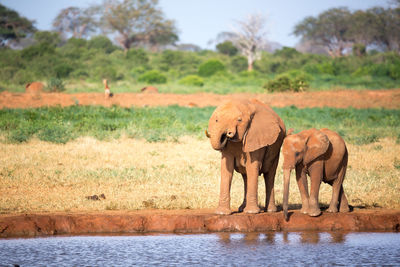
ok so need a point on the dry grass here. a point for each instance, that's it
(133, 174)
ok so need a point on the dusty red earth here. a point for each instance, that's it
(191, 221)
(340, 99)
(197, 221)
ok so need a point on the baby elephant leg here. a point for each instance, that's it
(343, 203)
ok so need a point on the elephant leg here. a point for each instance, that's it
(316, 178)
(241, 208)
(337, 191)
(269, 180)
(301, 179)
(344, 204)
(227, 167)
(253, 165)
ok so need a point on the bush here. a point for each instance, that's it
(137, 56)
(287, 53)
(7, 73)
(192, 80)
(238, 64)
(105, 71)
(52, 38)
(63, 70)
(211, 67)
(294, 80)
(279, 84)
(153, 76)
(55, 85)
(38, 50)
(23, 77)
(227, 48)
(136, 71)
(359, 50)
(102, 43)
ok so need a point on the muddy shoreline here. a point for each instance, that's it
(190, 221)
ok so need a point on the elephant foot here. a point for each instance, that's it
(345, 209)
(303, 210)
(332, 210)
(314, 212)
(223, 211)
(272, 208)
(252, 210)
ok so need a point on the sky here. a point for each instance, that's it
(200, 21)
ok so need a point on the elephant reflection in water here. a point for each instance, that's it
(305, 237)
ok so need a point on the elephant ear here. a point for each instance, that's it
(316, 145)
(263, 128)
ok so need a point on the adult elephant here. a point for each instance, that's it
(249, 135)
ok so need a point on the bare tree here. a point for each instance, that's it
(250, 38)
(75, 21)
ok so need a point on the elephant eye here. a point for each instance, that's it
(239, 119)
(297, 154)
(216, 120)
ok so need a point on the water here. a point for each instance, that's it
(221, 249)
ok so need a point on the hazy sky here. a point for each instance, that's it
(199, 21)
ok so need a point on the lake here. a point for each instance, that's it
(217, 249)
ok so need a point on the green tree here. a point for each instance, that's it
(210, 67)
(330, 29)
(52, 38)
(388, 28)
(138, 22)
(227, 48)
(13, 27)
(103, 43)
(363, 27)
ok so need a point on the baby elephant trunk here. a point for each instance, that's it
(286, 182)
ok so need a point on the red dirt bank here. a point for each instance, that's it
(191, 221)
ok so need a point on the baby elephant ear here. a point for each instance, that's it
(316, 145)
(263, 129)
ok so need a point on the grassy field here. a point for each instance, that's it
(51, 159)
(61, 125)
(134, 174)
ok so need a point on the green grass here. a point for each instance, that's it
(327, 82)
(60, 125)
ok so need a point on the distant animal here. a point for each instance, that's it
(149, 89)
(107, 92)
(321, 154)
(34, 88)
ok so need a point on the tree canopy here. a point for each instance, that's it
(76, 22)
(338, 29)
(138, 22)
(13, 26)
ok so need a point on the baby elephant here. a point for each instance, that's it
(322, 154)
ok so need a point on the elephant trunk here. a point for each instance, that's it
(218, 140)
(286, 182)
